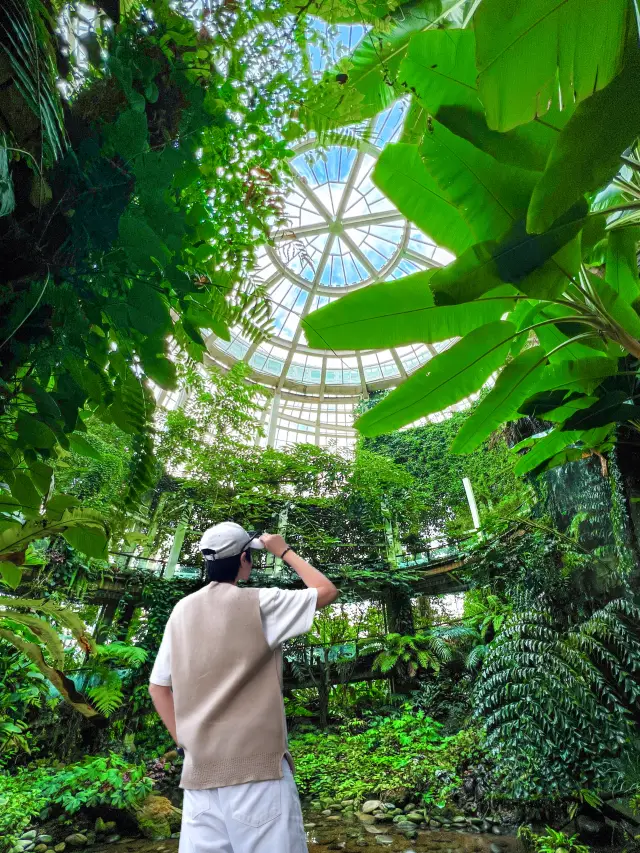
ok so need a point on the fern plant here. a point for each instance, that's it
(106, 682)
(415, 651)
(559, 702)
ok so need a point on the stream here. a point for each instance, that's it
(346, 832)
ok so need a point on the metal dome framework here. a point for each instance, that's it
(342, 234)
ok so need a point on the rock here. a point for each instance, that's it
(111, 839)
(309, 825)
(410, 807)
(365, 818)
(91, 837)
(384, 839)
(495, 829)
(371, 806)
(476, 821)
(28, 836)
(390, 807)
(486, 826)
(77, 839)
(59, 848)
(458, 819)
(44, 839)
(316, 804)
(326, 811)
(25, 844)
(157, 817)
(40, 848)
(434, 824)
(175, 835)
(495, 848)
(334, 817)
(383, 817)
(590, 829)
(374, 830)
(347, 802)
(415, 817)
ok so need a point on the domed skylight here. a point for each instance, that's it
(342, 233)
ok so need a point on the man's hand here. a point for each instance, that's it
(274, 543)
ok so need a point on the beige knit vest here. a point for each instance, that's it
(226, 689)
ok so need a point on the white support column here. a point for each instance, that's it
(273, 420)
(323, 382)
(475, 515)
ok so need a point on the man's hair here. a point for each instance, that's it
(223, 570)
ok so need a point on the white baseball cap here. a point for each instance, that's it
(228, 540)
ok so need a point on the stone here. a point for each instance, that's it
(309, 825)
(434, 824)
(415, 817)
(25, 844)
(458, 819)
(40, 848)
(44, 839)
(316, 804)
(157, 817)
(371, 806)
(28, 836)
(495, 848)
(390, 807)
(590, 829)
(374, 830)
(326, 811)
(60, 848)
(410, 807)
(365, 818)
(383, 817)
(486, 826)
(175, 835)
(112, 839)
(495, 829)
(334, 817)
(384, 839)
(476, 821)
(76, 839)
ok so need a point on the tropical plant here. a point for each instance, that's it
(103, 781)
(426, 651)
(22, 624)
(143, 226)
(551, 841)
(559, 702)
(504, 154)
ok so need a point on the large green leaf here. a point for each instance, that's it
(129, 135)
(525, 49)
(544, 449)
(583, 376)
(449, 377)
(440, 70)
(558, 345)
(371, 71)
(82, 447)
(617, 307)
(89, 540)
(34, 432)
(538, 264)
(490, 195)
(587, 152)
(404, 179)
(622, 262)
(396, 313)
(10, 574)
(45, 632)
(611, 408)
(501, 404)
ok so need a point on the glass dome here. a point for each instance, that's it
(342, 233)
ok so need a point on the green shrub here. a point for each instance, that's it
(552, 841)
(407, 752)
(103, 781)
(22, 798)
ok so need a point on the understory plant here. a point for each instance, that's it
(551, 841)
(400, 755)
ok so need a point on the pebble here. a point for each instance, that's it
(309, 825)
(494, 848)
(111, 839)
(384, 839)
(496, 830)
(326, 811)
(371, 806)
(44, 839)
(415, 817)
(374, 830)
(40, 848)
(28, 836)
(60, 848)
(77, 839)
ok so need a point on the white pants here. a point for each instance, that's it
(258, 817)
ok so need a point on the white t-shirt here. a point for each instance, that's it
(285, 614)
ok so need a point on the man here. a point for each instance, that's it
(216, 684)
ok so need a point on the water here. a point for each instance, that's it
(348, 834)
